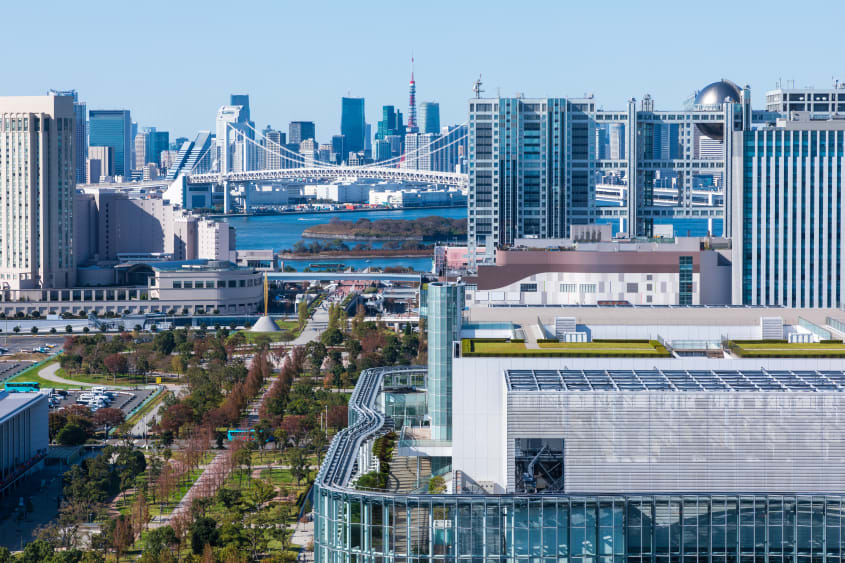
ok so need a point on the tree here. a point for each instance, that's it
(108, 418)
(228, 497)
(260, 494)
(69, 329)
(159, 539)
(204, 532)
(122, 536)
(302, 314)
(36, 551)
(72, 434)
(298, 462)
(34, 330)
(5, 555)
(164, 342)
(116, 363)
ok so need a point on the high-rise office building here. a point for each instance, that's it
(80, 115)
(352, 124)
(534, 164)
(338, 149)
(113, 128)
(273, 142)
(158, 142)
(37, 185)
(418, 151)
(100, 164)
(788, 238)
(141, 140)
(241, 152)
(429, 117)
(298, 131)
(243, 101)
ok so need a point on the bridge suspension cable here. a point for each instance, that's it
(282, 147)
(405, 155)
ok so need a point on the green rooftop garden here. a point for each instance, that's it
(784, 349)
(484, 347)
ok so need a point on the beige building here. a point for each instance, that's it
(100, 164)
(36, 187)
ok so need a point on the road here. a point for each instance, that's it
(49, 373)
(318, 322)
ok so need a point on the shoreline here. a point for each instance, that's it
(327, 211)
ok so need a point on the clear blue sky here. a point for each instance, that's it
(174, 63)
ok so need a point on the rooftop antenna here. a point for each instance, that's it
(477, 89)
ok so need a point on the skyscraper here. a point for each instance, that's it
(352, 125)
(113, 128)
(339, 153)
(273, 141)
(100, 163)
(788, 235)
(80, 116)
(430, 117)
(37, 183)
(298, 131)
(391, 126)
(243, 101)
(141, 140)
(158, 142)
(232, 124)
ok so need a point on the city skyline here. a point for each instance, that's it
(445, 63)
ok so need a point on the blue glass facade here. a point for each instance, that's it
(364, 526)
(112, 128)
(792, 217)
(352, 124)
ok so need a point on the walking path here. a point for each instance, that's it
(49, 373)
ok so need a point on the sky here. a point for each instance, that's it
(173, 63)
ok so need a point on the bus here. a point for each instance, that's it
(236, 435)
(22, 386)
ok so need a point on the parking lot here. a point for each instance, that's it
(11, 369)
(123, 400)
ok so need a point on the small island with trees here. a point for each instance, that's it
(429, 229)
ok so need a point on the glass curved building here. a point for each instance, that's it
(593, 452)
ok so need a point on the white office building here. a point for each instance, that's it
(37, 181)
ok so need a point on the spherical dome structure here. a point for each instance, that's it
(715, 94)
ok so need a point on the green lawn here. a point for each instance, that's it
(750, 349)
(31, 374)
(105, 379)
(492, 348)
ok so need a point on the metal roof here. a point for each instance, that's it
(675, 380)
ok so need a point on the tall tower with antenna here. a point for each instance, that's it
(412, 102)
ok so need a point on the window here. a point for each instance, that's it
(233, 283)
(588, 288)
(189, 285)
(209, 285)
(569, 288)
(632, 288)
(177, 285)
(685, 280)
(528, 288)
(221, 283)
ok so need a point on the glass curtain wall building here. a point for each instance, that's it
(352, 125)
(788, 242)
(113, 128)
